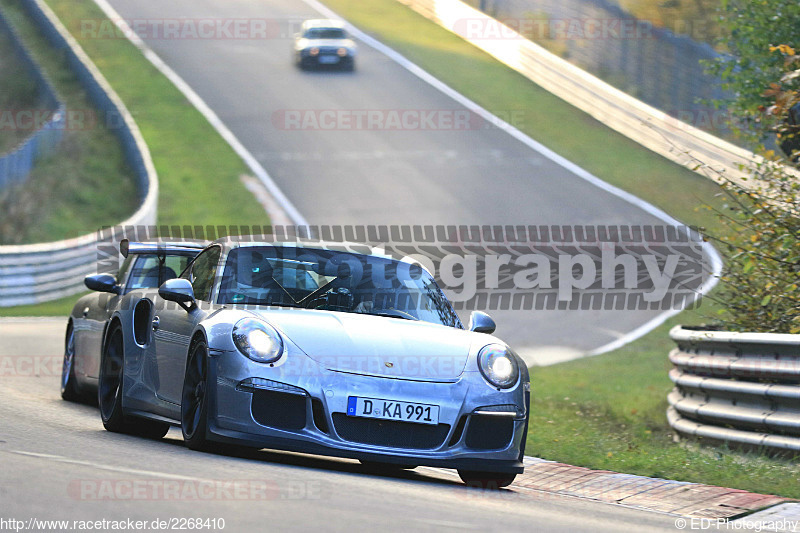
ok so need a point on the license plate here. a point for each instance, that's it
(328, 60)
(392, 410)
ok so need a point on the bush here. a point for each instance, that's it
(759, 289)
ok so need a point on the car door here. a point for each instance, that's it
(173, 325)
(90, 326)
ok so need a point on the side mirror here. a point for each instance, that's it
(177, 290)
(481, 322)
(102, 283)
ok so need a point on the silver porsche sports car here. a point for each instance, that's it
(323, 42)
(330, 349)
(145, 266)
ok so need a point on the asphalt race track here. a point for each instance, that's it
(58, 463)
(383, 176)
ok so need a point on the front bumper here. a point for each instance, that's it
(326, 59)
(479, 429)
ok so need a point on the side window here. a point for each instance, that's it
(202, 273)
(123, 270)
(175, 264)
(144, 274)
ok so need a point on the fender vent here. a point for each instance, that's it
(279, 410)
(489, 432)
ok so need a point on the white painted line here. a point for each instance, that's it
(716, 261)
(119, 469)
(207, 112)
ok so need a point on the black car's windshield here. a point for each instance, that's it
(325, 33)
(333, 280)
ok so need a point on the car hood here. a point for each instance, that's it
(373, 345)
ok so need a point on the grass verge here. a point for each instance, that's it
(608, 413)
(67, 193)
(605, 412)
(18, 91)
(198, 171)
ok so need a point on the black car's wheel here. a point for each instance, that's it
(486, 480)
(69, 387)
(109, 393)
(194, 399)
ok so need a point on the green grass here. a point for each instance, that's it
(68, 193)
(18, 91)
(608, 411)
(60, 307)
(199, 173)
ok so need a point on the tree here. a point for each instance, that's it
(761, 280)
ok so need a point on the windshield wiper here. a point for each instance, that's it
(393, 314)
(271, 304)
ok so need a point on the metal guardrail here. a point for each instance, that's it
(665, 135)
(41, 272)
(16, 165)
(741, 388)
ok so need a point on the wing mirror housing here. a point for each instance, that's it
(102, 283)
(177, 290)
(480, 322)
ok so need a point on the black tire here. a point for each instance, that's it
(384, 468)
(69, 386)
(109, 393)
(486, 480)
(194, 399)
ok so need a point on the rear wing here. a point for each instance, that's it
(127, 247)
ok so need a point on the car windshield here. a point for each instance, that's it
(325, 33)
(335, 281)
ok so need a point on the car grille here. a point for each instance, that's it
(389, 433)
(279, 410)
(489, 432)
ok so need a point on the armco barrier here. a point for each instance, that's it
(16, 165)
(741, 388)
(40, 272)
(654, 129)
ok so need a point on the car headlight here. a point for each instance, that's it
(314, 51)
(342, 52)
(498, 365)
(257, 340)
